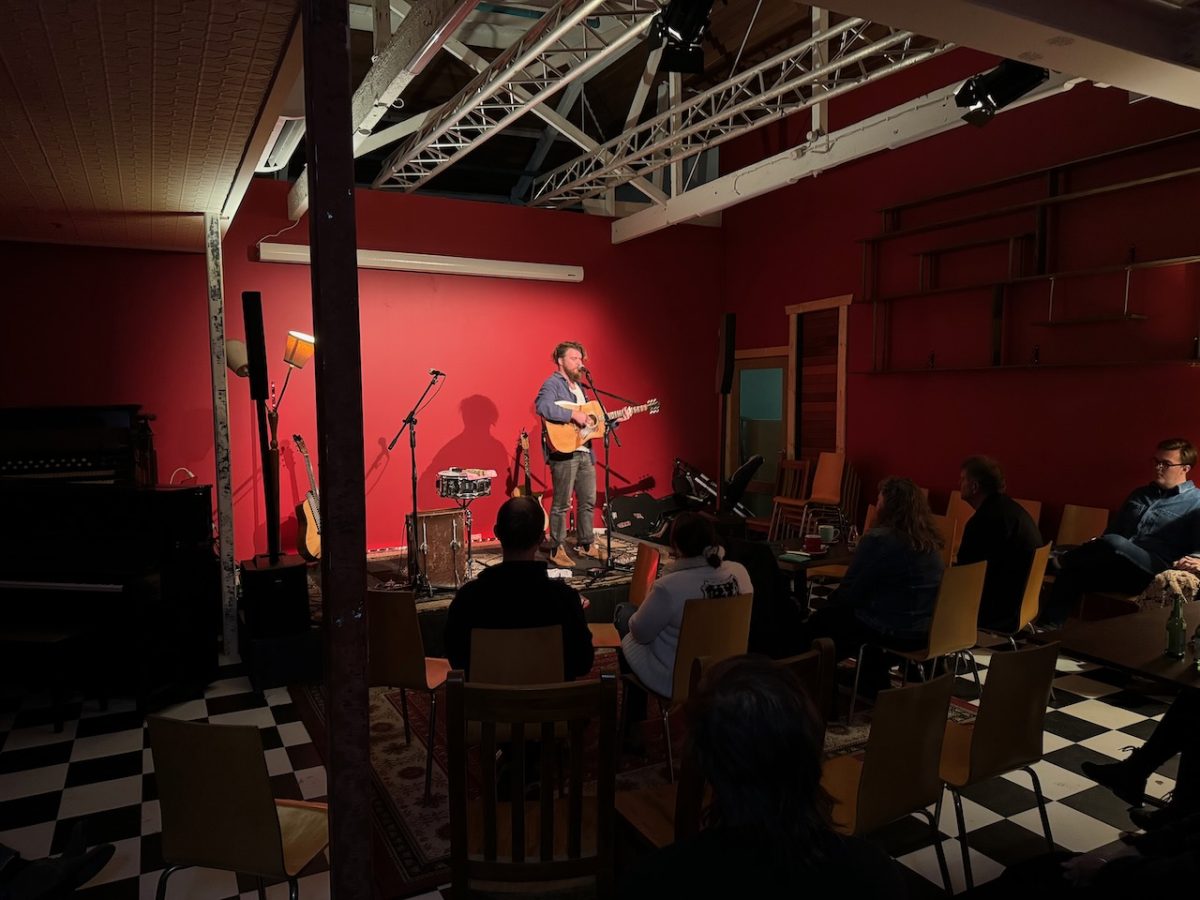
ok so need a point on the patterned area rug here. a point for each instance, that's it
(415, 837)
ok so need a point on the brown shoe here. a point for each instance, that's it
(595, 551)
(561, 559)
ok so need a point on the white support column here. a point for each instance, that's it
(220, 402)
(820, 109)
(674, 99)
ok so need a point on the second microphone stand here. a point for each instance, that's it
(417, 579)
(610, 432)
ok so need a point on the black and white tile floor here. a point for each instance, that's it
(100, 769)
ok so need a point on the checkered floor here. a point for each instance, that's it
(100, 769)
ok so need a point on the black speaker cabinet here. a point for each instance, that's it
(726, 341)
(639, 515)
(274, 599)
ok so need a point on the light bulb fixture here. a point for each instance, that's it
(299, 349)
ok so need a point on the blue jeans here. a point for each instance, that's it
(576, 474)
(1109, 563)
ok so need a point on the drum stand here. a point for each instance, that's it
(465, 505)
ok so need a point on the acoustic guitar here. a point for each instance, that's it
(567, 437)
(527, 490)
(308, 512)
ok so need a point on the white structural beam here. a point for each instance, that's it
(922, 118)
(560, 48)
(785, 84)
(427, 25)
(1148, 48)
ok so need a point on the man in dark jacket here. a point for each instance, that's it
(1001, 533)
(519, 593)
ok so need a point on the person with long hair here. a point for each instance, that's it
(650, 632)
(753, 736)
(887, 595)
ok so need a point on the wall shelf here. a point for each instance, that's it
(1091, 320)
(1130, 363)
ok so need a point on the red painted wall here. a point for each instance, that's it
(1079, 435)
(104, 326)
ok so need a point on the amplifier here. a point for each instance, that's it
(638, 515)
(441, 545)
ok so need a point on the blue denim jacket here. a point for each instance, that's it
(553, 389)
(1164, 523)
(890, 585)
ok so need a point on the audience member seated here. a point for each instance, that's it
(1177, 733)
(1157, 524)
(650, 632)
(519, 593)
(886, 598)
(753, 735)
(1002, 534)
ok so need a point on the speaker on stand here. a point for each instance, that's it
(725, 363)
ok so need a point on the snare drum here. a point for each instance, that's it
(459, 484)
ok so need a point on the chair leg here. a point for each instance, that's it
(161, 893)
(938, 850)
(1041, 801)
(404, 715)
(262, 888)
(854, 690)
(962, 839)
(662, 711)
(975, 673)
(293, 889)
(429, 746)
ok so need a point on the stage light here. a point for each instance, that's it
(982, 95)
(681, 27)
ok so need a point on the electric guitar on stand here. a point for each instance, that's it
(308, 512)
(527, 490)
(567, 437)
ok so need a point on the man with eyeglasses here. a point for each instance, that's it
(1157, 525)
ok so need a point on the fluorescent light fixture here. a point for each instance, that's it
(437, 265)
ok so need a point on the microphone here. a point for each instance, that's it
(436, 373)
(585, 370)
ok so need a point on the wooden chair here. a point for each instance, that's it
(517, 655)
(960, 511)
(948, 530)
(561, 840)
(898, 774)
(1005, 736)
(1032, 598)
(716, 627)
(816, 670)
(952, 630)
(217, 810)
(396, 659)
(645, 571)
(1080, 524)
(791, 480)
(1033, 507)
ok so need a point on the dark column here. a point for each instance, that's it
(338, 361)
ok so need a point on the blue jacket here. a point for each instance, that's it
(1161, 522)
(553, 389)
(891, 586)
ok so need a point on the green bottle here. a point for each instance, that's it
(1177, 631)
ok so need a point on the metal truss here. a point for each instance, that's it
(787, 83)
(563, 46)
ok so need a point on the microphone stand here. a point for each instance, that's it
(417, 579)
(610, 429)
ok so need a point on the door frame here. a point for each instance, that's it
(794, 311)
(731, 436)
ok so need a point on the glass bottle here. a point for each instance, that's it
(1177, 631)
(852, 540)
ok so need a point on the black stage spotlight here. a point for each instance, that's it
(982, 95)
(681, 27)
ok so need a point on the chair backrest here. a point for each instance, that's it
(792, 478)
(1080, 524)
(901, 767)
(1033, 507)
(395, 651)
(948, 529)
(1032, 599)
(1012, 711)
(645, 570)
(816, 670)
(215, 797)
(540, 840)
(716, 627)
(960, 510)
(827, 480)
(956, 609)
(870, 517)
(517, 655)
(787, 517)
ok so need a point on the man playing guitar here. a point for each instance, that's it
(570, 472)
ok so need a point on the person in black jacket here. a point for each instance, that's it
(519, 593)
(1001, 533)
(752, 734)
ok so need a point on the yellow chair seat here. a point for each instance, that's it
(604, 635)
(436, 670)
(837, 572)
(304, 828)
(840, 778)
(956, 753)
(651, 811)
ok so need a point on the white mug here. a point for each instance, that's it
(829, 534)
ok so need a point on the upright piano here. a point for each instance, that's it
(88, 543)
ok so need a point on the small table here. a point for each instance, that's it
(835, 555)
(1133, 642)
